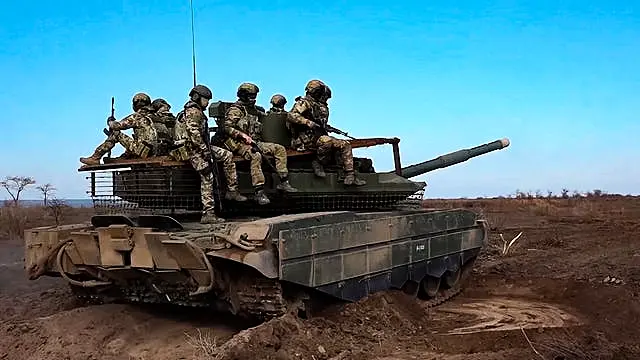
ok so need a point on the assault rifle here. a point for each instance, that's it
(329, 128)
(338, 131)
(107, 131)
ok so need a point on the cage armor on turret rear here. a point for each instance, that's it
(327, 241)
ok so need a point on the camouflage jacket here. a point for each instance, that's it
(242, 119)
(164, 122)
(305, 111)
(141, 122)
(192, 128)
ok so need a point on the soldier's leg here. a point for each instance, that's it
(203, 168)
(280, 154)
(323, 152)
(226, 158)
(100, 150)
(327, 145)
(343, 148)
(257, 177)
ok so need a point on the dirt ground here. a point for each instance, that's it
(567, 289)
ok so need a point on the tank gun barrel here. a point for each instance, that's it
(452, 158)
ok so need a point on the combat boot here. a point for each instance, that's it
(318, 169)
(261, 197)
(210, 218)
(235, 196)
(91, 160)
(351, 179)
(94, 159)
(286, 186)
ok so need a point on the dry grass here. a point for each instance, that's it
(205, 345)
(14, 220)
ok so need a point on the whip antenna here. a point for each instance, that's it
(193, 46)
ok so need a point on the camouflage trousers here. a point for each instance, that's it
(327, 146)
(226, 158)
(202, 166)
(206, 192)
(130, 145)
(276, 150)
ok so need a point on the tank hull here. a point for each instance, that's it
(261, 268)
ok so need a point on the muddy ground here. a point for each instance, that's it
(567, 289)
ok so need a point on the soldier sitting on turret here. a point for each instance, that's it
(164, 122)
(242, 132)
(144, 140)
(307, 118)
(277, 104)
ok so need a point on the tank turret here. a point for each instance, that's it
(165, 186)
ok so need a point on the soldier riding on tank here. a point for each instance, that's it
(241, 131)
(277, 104)
(144, 142)
(163, 120)
(308, 117)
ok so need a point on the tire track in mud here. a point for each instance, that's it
(502, 314)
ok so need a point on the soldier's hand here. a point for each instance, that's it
(111, 123)
(247, 138)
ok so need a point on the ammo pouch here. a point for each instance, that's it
(179, 152)
(142, 149)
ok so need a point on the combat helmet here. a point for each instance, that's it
(278, 101)
(140, 100)
(202, 91)
(158, 103)
(246, 89)
(315, 88)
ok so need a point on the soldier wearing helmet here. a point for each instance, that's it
(163, 121)
(242, 130)
(307, 119)
(145, 138)
(277, 104)
(192, 128)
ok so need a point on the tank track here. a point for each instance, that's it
(263, 299)
(255, 298)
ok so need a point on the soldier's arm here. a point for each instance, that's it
(127, 123)
(231, 118)
(295, 115)
(193, 125)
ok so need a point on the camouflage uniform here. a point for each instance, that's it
(144, 142)
(307, 118)
(242, 120)
(163, 121)
(277, 104)
(196, 130)
(182, 136)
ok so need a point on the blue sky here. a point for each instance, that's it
(559, 79)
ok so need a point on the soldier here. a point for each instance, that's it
(199, 149)
(277, 104)
(182, 138)
(308, 117)
(163, 121)
(242, 131)
(144, 141)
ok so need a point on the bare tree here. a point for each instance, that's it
(15, 185)
(46, 190)
(57, 208)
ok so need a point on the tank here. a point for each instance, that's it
(325, 243)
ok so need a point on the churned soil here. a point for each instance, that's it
(568, 288)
